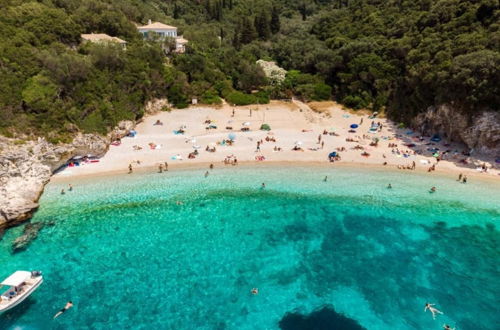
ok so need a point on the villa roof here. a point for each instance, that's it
(17, 278)
(181, 40)
(157, 26)
(95, 37)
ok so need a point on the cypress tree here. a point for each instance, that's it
(262, 26)
(248, 33)
(275, 21)
(176, 13)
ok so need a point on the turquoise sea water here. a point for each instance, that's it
(130, 257)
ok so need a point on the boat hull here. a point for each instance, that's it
(21, 297)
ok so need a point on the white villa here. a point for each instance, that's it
(163, 31)
(103, 38)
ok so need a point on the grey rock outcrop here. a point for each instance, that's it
(30, 232)
(26, 166)
(480, 132)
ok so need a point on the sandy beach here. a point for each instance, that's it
(293, 126)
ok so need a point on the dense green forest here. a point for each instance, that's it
(397, 55)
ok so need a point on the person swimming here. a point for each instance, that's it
(263, 185)
(206, 174)
(62, 192)
(447, 327)
(70, 187)
(255, 291)
(389, 186)
(433, 310)
(433, 190)
(69, 304)
(326, 178)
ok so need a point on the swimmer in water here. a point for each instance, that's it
(263, 185)
(69, 304)
(433, 190)
(447, 327)
(326, 178)
(389, 186)
(70, 187)
(433, 310)
(206, 174)
(255, 291)
(62, 192)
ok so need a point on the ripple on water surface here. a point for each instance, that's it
(180, 251)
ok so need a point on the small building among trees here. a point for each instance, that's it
(164, 33)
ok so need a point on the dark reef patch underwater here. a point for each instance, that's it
(325, 318)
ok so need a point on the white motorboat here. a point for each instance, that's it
(20, 285)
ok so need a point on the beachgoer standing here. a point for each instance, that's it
(413, 165)
(233, 113)
(325, 179)
(166, 166)
(206, 174)
(322, 144)
(160, 168)
(211, 166)
(250, 112)
(361, 121)
(70, 187)
(62, 192)
(69, 304)
(459, 177)
(258, 146)
(319, 139)
(464, 180)
(130, 169)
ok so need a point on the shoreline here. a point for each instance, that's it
(203, 166)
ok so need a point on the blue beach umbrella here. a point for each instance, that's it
(232, 136)
(354, 126)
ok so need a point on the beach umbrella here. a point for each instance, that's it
(212, 144)
(265, 127)
(354, 126)
(196, 147)
(77, 157)
(232, 136)
(247, 123)
(298, 143)
(332, 154)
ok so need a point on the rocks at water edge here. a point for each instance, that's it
(30, 232)
(26, 166)
(480, 131)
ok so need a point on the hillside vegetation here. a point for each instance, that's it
(398, 55)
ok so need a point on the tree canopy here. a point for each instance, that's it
(398, 55)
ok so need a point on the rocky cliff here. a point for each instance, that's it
(480, 132)
(26, 166)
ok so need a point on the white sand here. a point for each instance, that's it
(287, 120)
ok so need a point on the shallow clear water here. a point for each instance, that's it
(129, 257)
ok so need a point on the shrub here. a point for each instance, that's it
(354, 102)
(322, 92)
(239, 98)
